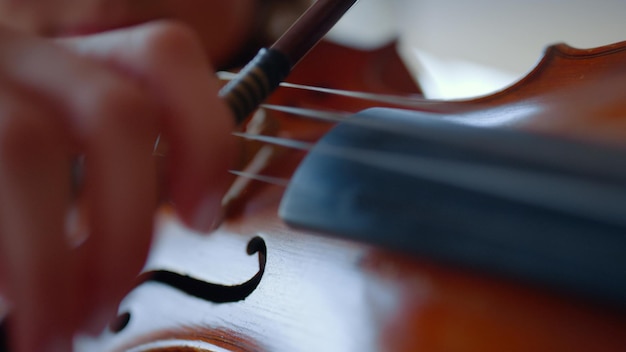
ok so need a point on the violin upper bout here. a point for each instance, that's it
(563, 65)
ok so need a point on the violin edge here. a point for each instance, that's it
(551, 53)
(572, 52)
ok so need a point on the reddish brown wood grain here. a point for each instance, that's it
(325, 294)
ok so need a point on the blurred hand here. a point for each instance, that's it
(103, 98)
(223, 26)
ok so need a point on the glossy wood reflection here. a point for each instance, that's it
(323, 294)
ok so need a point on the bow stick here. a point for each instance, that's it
(257, 80)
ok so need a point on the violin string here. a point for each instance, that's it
(495, 180)
(415, 131)
(322, 115)
(255, 166)
(283, 142)
(375, 125)
(560, 193)
(328, 116)
(406, 101)
(278, 181)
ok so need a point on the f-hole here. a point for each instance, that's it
(207, 291)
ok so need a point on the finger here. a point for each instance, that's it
(34, 196)
(120, 190)
(3, 272)
(169, 59)
(198, 126)
(115, 124)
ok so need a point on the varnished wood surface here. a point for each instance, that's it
(324, 294)
(571, 92)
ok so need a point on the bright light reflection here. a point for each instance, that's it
(442, 78)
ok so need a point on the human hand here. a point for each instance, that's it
(105, 98)
(223, 26)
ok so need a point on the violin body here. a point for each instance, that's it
(257, 284)
(320, 293)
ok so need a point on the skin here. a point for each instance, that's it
(234, 20)
(68, 256)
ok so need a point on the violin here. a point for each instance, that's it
(313, 287)
(258, 283)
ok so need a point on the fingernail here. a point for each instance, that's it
(207, 215)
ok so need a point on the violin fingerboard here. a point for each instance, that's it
(515, 204)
